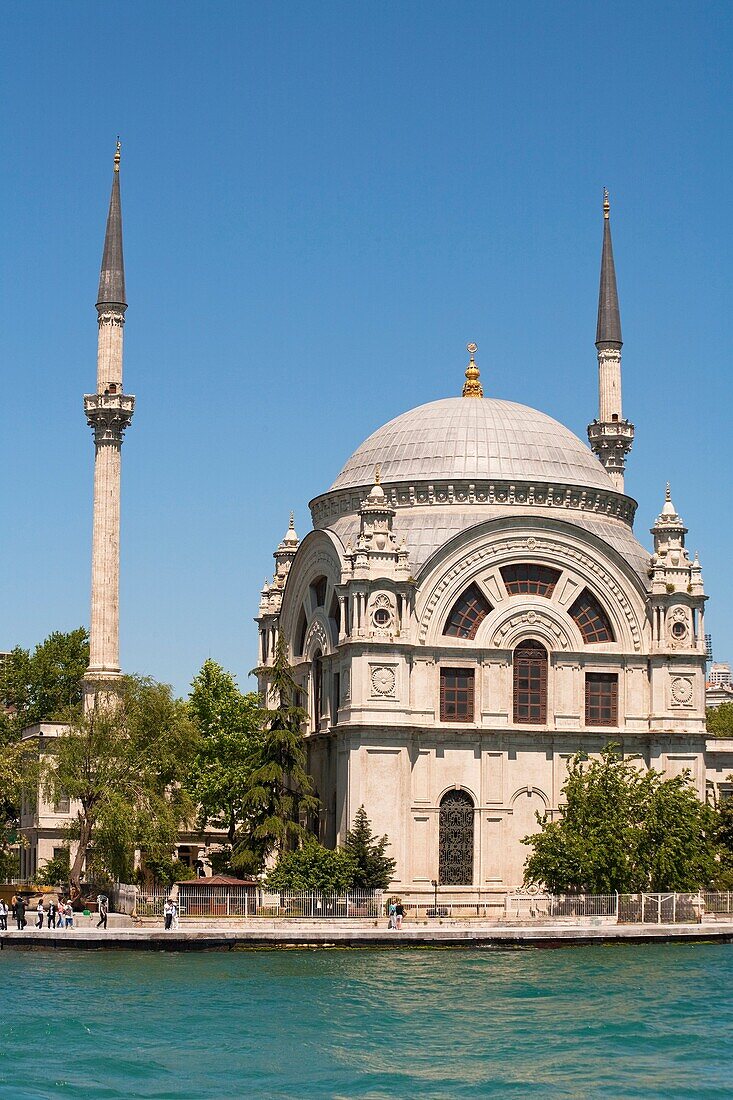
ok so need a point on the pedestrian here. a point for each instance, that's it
(51, 915)
(69, 914)
(3, 915)
(174, 922)
(168, 914)
(392, 922)
(103, 912)
(39, 913)
(19, 912)
(399, 912)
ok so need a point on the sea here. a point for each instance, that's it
(612, 1022)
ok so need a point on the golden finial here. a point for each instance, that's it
(378, 474)
(117, 154)
(472, 386)
(606, 203)
(668, 492)
(292, 521)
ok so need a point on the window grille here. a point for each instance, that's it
(591, 619)
(529, 580)
(455, 845)
(467, 613)
(601, 699)
(456, 694)
(530, 683)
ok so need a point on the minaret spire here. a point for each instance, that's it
(108, 412)
(610, 436)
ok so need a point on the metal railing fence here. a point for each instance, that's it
(195, 900)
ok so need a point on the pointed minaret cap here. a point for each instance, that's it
(668, 508)
(290, 538)
(377, 492)
(112, 275)
(608, 330)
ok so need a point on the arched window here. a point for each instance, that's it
(455, 843)
(530, 683)
(594, 624)
(317, 690)
(467, 613)
(529, 580)
(300, 634)
(318, 590)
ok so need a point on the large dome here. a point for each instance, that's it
(474, 439)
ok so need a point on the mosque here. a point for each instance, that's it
(472, 608)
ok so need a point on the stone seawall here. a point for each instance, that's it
(287, 934)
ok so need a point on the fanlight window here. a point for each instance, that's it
(455, 845)
(592, 620)
(530, 683)
(467, 613)
(529, 580)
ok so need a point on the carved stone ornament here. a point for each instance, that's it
(384, 681)
(682, 691)
(678, 628)
(382, 616)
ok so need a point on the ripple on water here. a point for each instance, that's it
(613, 1022)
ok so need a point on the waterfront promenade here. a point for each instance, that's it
(286, 933)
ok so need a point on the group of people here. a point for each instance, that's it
(396, 915)
(57, 914)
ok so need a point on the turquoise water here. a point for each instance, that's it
(608, 1022)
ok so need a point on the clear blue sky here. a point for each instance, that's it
(322, 204)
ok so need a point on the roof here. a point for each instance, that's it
(458, 439)
(219, 880)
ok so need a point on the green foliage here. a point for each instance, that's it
(724, 838)
(123, 763)
(623, 829)
(374, 869)
(165, 870)
(55, 872)
(313, 867)
(280, 789)
(230, 737)
(719, 720)
(45, 685)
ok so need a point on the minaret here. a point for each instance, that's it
(610, 436)
(108, 413)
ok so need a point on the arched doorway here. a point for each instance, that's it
(455, 840)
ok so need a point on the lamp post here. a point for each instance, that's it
(434, 884)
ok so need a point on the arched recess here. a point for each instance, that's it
(522, 822)
(456, 839)
(530, 662)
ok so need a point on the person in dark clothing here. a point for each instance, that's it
(103, 913)
(51, 917)
(19, 913)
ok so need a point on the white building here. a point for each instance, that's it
(470, 609)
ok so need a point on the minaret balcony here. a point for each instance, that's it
(109, 414)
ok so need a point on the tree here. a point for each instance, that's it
(123, 763)
(719, 720)
(229, 725)
(18, 779)
(623, 829)
(724, 837)
(314, 868)
(280, 788)
(374, 869)
(45, 685)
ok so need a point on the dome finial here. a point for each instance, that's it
(606, 203)
(472, 386)
(117, 154)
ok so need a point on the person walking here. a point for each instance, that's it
(103, 912)
(168, 915)
(69, 914)
(39, 913)
(3, 915)
(51, 914)
(19, 912)
(392, 922)
(399, 912)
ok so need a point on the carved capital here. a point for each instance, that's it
(107, 316)
(109, 414)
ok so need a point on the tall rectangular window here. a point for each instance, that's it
(530, 683)
(61, 805)
(601, 699)
(456, 694)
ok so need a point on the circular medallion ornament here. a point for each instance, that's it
(383, 681)
(682, 690)
(679, 629)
